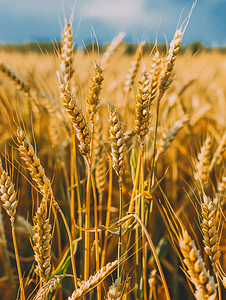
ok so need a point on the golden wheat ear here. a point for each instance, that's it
(42, 241)
(16, 79)
(111, 49)
(199, 276)
(10, 202)
(134, 69)
(67, 53)
(94, 92)
(116, 141)
(93, 280)
(77, 118)
(201, 174)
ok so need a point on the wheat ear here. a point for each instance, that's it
(166, 78)
(10, 203)
(204, 283)
(111, 48)
(42, 240)
(33, 164)
(203, 162)
(93, 280)
(210, 231)
(67, 53)
(142, 108)
(16, 79)
(38, 175)
(3, 247)
(116, 141)
(134, 68)
(115, 291)
(49, 287)
(217, 157)
(94, 92)
(77, 119)
(169, 138)
(211, 238)
(154, 75)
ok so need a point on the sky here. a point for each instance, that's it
(41, 20)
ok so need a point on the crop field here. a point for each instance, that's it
(112, 172)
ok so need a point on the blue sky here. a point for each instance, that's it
(25, 20)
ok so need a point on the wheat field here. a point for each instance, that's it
(112, 173)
